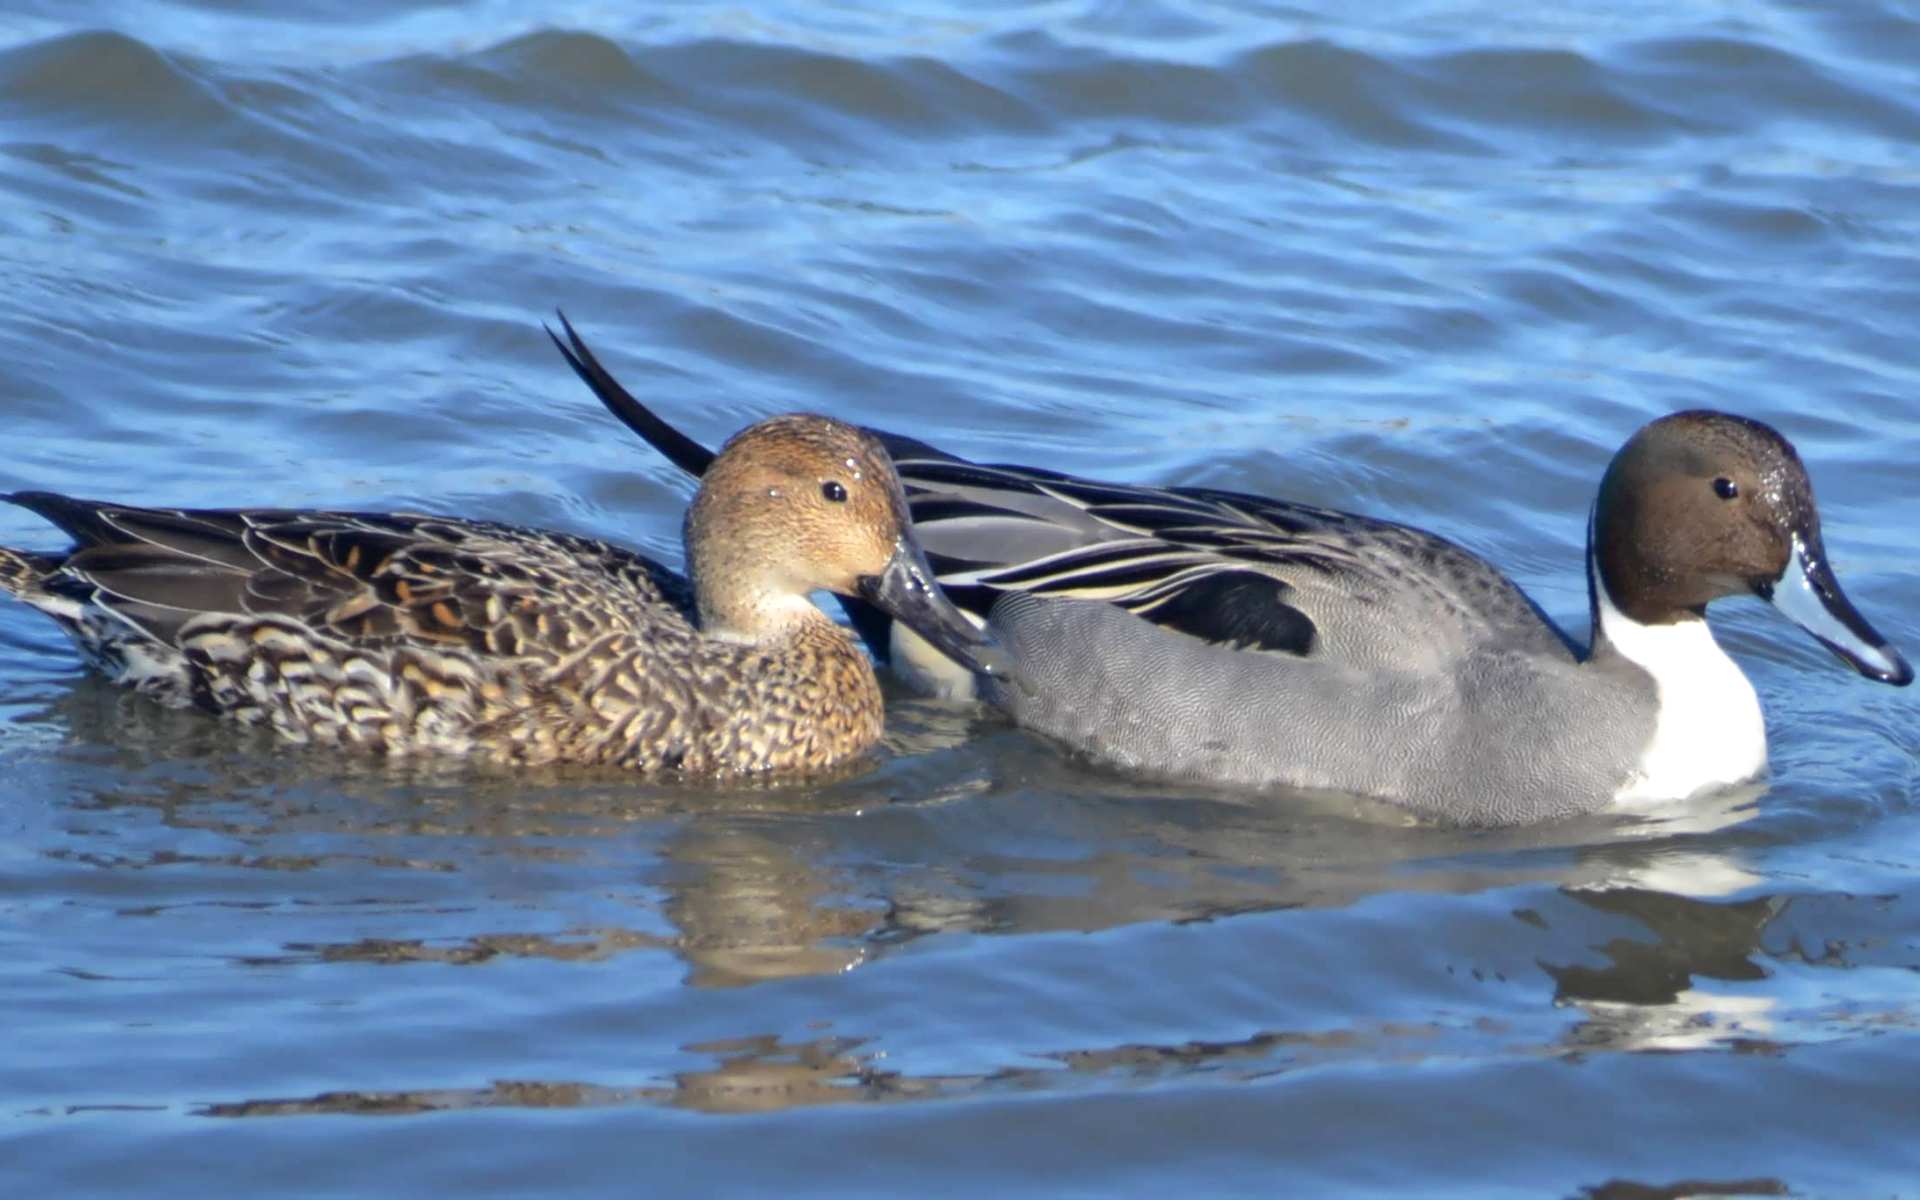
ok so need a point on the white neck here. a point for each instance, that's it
(1708, 731)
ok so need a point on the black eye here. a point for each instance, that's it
(1725, 488)
(832, 490)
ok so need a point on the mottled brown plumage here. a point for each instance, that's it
(407, 633)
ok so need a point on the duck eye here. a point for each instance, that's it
(833, 491)
(1725, 488)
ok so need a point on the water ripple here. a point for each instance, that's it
(1429, 260)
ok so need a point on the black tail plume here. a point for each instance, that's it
(680, 450)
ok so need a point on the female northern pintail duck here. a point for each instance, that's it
(408, 633)
(1253, 642)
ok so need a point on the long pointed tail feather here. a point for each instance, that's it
(680, 450)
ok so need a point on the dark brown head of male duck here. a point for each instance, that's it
(1700, 505)
(805, 502)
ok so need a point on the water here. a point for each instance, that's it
(1432, 261)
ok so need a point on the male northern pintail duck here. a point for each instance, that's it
(407, 633)
(1253, 642)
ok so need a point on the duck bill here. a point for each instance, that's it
(1809, 594)
(905, 590)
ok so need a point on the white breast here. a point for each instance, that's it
(927, 671)
(1709, 732)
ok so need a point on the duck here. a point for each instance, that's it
(1233, 640)
(412, 634)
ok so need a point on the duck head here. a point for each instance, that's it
(801, 503)
(1700, 505)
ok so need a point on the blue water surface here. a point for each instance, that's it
(1432, 261)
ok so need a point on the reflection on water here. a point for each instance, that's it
(1685, 1189)
(782, 885)
(583, 945)
(1644, 997)
(747, 908)
(753, 1075)
(1657, 994)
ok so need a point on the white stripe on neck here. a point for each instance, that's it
(1708, 731)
